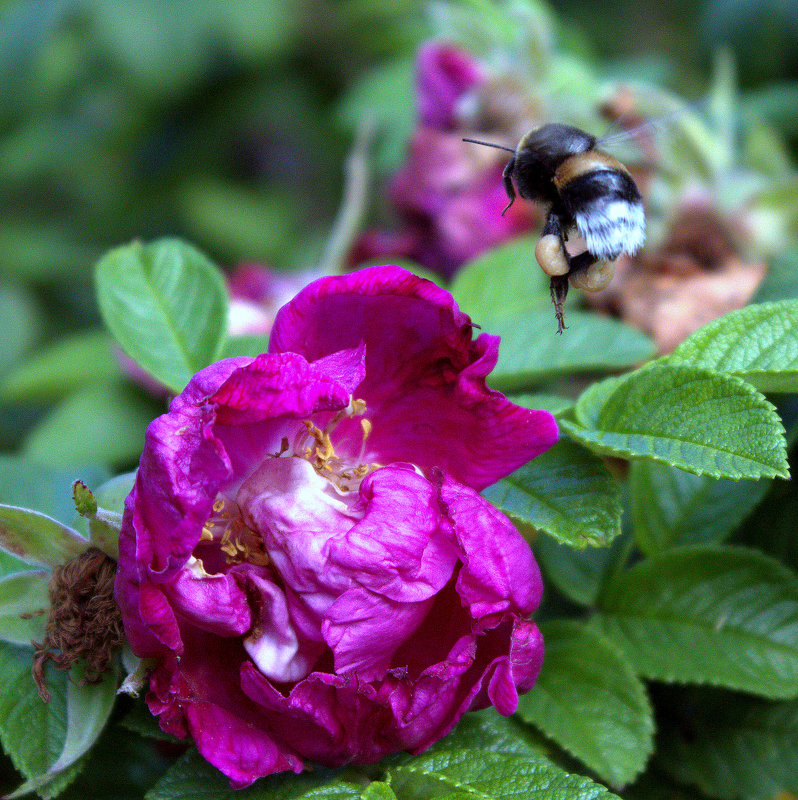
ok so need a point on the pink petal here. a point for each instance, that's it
(425, 383)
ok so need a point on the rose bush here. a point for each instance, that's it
(305, 555)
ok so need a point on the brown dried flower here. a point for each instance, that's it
(83, 622)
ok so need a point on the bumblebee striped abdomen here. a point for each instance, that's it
(599, 195)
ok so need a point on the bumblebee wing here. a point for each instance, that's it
(608, 211)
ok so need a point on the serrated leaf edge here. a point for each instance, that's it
(638, 689)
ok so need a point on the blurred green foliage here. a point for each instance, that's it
(228, 124)
(225, 123)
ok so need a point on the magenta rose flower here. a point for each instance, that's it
(305, 556)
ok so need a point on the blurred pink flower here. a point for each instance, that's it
(448, 194)
(257, 293)
(444, 76)
(305, 554)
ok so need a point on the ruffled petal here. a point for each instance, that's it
(364, 630)
(398, 548)
(425, 382)
(214, 603)
(500, 573)
(242, 751)
(275, 645)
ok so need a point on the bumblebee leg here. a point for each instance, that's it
(507, 176)
(550, 249)
(559, 291)
(552, 225)
(558, 284)
(594, 277)
(579, 263)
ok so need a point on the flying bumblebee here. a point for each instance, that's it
(584, 188)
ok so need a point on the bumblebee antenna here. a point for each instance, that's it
(490, 144)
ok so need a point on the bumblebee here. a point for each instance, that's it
(584, 188)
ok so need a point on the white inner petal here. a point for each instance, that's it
(273, 644)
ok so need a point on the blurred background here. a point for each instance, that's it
(230, 124)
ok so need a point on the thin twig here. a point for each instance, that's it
(353, 203)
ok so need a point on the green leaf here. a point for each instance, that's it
(776, 102)
(378, 791)
(22, 322)
(758, 343)
(246, 345)
(62, 367)
(489, 730)
(33, 732)
(736, 747)
(578, 574)
(87, 709)
(256, 31)
(481, 775)
(567, 492)
(159, 52)
(781, 282)
(504, 282)
(531, 353)
(112, 493)
(37, 538)
(771, 528)
(24, 601)
(688, 417)
(595, 707)
(166, 305)
(247, 222)
(120, 767)
(726, 616)
(36, 252)
(193, 778)
(555, 403)
(102, 424)
(671, 507)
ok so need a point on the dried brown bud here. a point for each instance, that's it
(84, 622)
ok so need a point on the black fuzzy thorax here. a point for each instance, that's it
(540, 153)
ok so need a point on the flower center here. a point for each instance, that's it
(315, 445)
(236, 540)
(231, 530)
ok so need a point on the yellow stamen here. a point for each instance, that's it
(238, 542)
